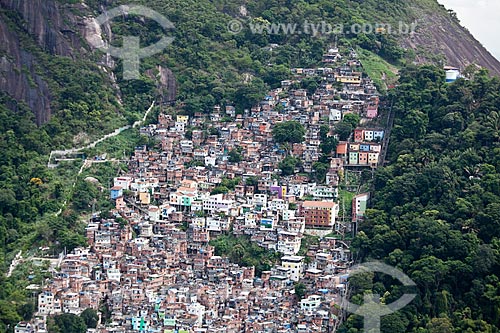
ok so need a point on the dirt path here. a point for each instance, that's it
(16, 261)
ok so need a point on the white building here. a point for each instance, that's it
(335, 115)
(144, 185)
(278, 205)
(186, 146)
(48, 303)
(180, 126)
(123, 182)
(114, 274)
(296, 266)
(24, 327)
(146, 230)
(250, 220)
(216, 204)
(70, 302)
(154, 213)
(359, 204)
(260, 200)
(310, 304)
(326, 192)
(197, 310)
(210, 160)
(368, 135)
(288, 243)
(287, 214)
(217, 224)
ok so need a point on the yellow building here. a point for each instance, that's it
(183, 119)
(296, 266)
(144, 198)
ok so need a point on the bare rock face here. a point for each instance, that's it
(52, 26)
(53, 29)
(57, 29)
(440, 33)
(19, 79)
(167, 85)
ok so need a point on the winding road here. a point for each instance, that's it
(88, 163)
(94, 143)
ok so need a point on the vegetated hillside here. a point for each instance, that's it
(436, 207)
(56, 91)
(45, 41)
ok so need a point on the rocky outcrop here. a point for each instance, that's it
(166, 84)
(53, 26)
(53, 29)
(18, 76)
(440, 33)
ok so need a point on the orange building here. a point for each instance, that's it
(319, 214)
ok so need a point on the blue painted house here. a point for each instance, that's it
(116, 192)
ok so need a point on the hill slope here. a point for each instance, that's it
(56, 91)
(436, 206)
(440, 32)
(43, 38)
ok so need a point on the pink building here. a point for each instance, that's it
(372, 111)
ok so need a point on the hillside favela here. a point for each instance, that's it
(247, 166)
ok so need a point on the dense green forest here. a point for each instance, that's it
(436, 207)
(203, 43)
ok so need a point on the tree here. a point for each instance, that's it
(323, 131)
(352, 119)
(8, 314)
(83, 195)
(26, 310)
(394, 323)
(219, 190)
(279, 108)
(235, 156)
(236, 253)
(69, 323)
(288, 165)
(328, 145)
(320, 170)
(289, 132)
(247, 95)
(344, 130)
(310, 84)
(252, 181)
(440, 325)
(300, 290)
(275, 74)
(90, 317)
